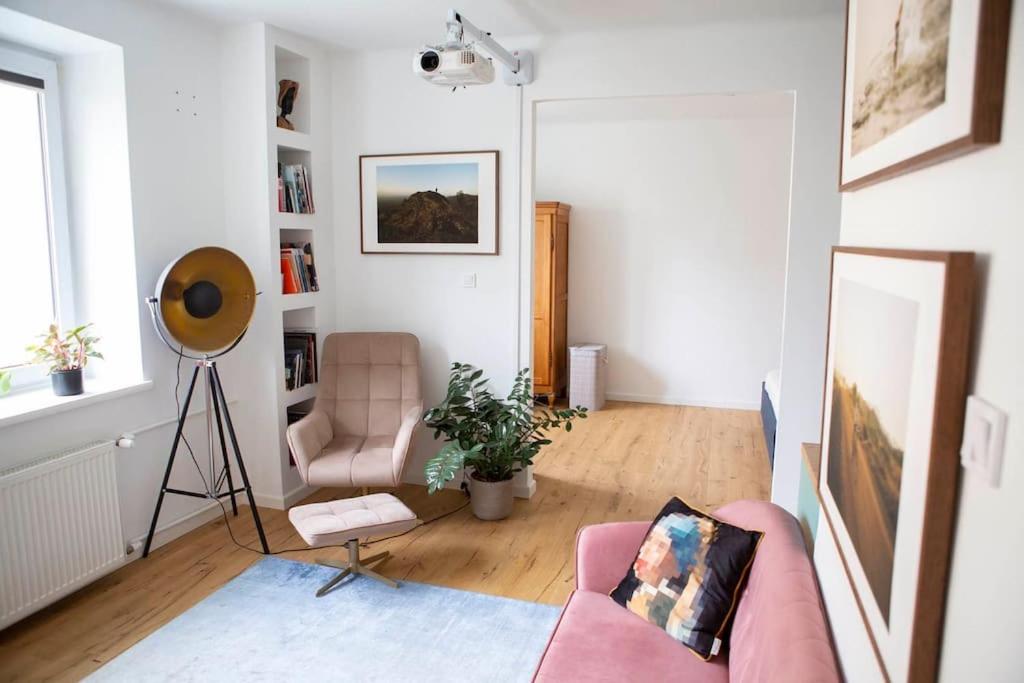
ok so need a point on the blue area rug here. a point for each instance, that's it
(266, 624)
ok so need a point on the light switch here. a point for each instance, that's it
(984, 440)
(469, 280)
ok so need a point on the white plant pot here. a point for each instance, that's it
(490, 500)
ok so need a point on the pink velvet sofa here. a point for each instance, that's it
(778, 634)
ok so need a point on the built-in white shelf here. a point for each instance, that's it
(291, 302)
(303, 393)
(260, 57)
(292, 139)
(294, 221)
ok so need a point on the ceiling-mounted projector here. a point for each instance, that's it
(454, 67)
(456, 62)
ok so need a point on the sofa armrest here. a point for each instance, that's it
(605, 552)
(403, 439)
(308, 437)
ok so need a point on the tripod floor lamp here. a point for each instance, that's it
(202, 308)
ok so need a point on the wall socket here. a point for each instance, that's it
(469, 280)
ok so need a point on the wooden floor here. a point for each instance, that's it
(622, 463)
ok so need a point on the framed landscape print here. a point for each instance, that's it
(923, 82)
(892, 420)
(443, 203)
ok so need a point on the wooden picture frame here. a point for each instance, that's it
(903, 118)
(920, 379)
(429, 203)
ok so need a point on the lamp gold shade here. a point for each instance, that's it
(206, 298)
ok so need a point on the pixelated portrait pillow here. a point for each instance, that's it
(687, 576)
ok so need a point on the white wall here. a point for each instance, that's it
(972, 203)
(381, 107)
(176, 181)
(677, 239)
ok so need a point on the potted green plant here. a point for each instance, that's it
(66, 354)
(494, 438)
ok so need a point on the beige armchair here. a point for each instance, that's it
(367, 407)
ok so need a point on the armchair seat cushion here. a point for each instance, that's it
(338, 521)
(349, 459)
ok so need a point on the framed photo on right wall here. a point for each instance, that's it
(923, 82)
(892, 421)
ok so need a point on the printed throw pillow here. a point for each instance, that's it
(687, 575)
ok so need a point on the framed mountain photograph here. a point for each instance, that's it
(433, 203)
(892, 420)
(923, 82)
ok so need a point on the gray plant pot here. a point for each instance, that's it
(490, 500)
(67, 382)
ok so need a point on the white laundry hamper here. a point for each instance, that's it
(588, 372)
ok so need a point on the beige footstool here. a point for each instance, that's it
(345, 522)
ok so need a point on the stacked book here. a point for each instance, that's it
(298, 274)
(295, 413)
(299, 358)
(294, 193)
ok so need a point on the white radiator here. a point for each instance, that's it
(60, 528)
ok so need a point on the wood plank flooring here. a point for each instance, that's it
(622, 463)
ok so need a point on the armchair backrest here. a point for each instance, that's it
(368, 381)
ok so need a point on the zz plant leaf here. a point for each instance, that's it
(495, 437)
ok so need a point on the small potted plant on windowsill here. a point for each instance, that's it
(66, 354)
(493, 437)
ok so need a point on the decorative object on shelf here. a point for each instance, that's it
(924, 82)
(493, 437)
(294, 191)
(204, 302)
(66, 354)
(895, 386)
(287, 93)
(686, 576)
(429, 203)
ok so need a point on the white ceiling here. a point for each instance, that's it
(368, 24)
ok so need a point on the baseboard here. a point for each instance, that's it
(266, 500)
(683, 401)
(170, 531)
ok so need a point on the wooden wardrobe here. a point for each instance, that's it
(550, 299)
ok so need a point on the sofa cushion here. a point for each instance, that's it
(596, 640)
(687, 574)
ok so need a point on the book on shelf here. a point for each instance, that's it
(298, 274)
(300, 361)
(294, 414)
(294, 191)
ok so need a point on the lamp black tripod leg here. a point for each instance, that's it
(224, 453)
(218, 395)
(170, 461)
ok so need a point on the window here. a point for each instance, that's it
(35, 277)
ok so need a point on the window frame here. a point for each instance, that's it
(35, 65)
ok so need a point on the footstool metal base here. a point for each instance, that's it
(355, 565)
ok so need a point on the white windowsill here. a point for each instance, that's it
(35, 403)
